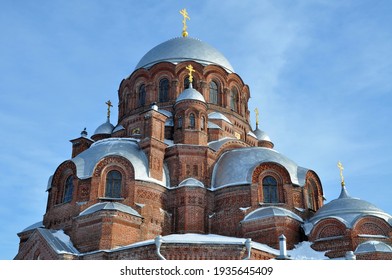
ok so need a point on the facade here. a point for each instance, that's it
(183, 175)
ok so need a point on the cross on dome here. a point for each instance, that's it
(109, 103)
(341, 168)
(191, 70)
(185, 15)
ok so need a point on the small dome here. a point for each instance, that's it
(261, 135)
(105, 128)
(348, 209)
(271, 211)
(184, 49)
(373, 246)
(190, 94)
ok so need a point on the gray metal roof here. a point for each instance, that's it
(190, 94)
(34, 226)
(114, 206)
(191, 182)
(127, 148)
(271, 211)
(183, 49)
(105, 128)
(373, 246)
(236, 166)
(218, 116)
(348, 210)
(58, 241)
(261, 135)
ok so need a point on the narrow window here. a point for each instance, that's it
(68, 189)
(234, 99)
(164, 90)
(142, 95)
(311, 195)
(113, 184)
(192, 121)
(270, 190)
(179, 124)
(203, 121)
(213, 92)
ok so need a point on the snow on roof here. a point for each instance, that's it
(304, 251)
(59, 241)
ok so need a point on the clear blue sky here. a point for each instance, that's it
(319, 72)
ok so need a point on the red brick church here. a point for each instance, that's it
(183, 175)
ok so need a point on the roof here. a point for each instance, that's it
(261, 135)
(182, 49)
(235, 167)
(191, 182)
(348, 209)
(373, 246)
(127, 148)
(271, 211)
(110, 206)
(218, 116)
(58, 241)
(105, 128)
(190, 94)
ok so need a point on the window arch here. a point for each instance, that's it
(186, 82)
(234, 99)
(179, 124)
(214, 92)
(312, 191)
(164, 90)
(68, 189)
(113, 184)
(142, 95)
(203, 123)
(192, 121)
(270, 190)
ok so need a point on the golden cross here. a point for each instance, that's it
(184, 13)
(109, 105)
(257, 117)
(191, 70)
(340, 166)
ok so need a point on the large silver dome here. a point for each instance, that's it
(182, 49)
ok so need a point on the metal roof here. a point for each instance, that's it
(218, 116)
(114, 206)
(59, 241)
(190, 94)
(236, 166)
(182, 49)
(261, 135)
(271, 211)
(105, 128)
(373, 246)
(191, 182)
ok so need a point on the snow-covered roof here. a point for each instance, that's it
(58, 241)
(34, 226)
(190, 94)
(127, 148)
(304, 251)
(110, 206)
(235, 167)
(216, 145)
(218, 116)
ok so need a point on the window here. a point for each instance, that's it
(142, 95)
(203, 121)
(164, 90)
(179, 124)
(186, 83)
(270, 190)
(192, 121)
(113, 184)
(311, 195)
(213, 92)
(68, 189)
(234, 99)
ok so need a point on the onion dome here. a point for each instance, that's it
(105, 128)
(261, 135)
(190, 94)
(184, 49)
(348, 209)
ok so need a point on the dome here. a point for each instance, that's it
(271, 211)
(115, 206)
(183, 49)
(261, 135)
(348, 209)
(105, 128)
(190, 94)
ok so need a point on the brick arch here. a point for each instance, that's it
(107, 164)
(326, 228)
(234, 144)
(372, 225)
(274, 170)
(61, 174)
(313, 181)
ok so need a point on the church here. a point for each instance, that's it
(183, 175)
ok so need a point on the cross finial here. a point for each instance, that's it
(257, 117)
(340, 166)
(109, 103)
(185, 15)
(191, 70)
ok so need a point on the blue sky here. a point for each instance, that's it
(319, 73)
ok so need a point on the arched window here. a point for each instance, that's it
(179, 124)
(164, 90)
(68, 189)
(270, 190)
(142, 95)
(234, 99)
(113, 184)
(186, 83)
(312, 189)
(203, 123)
(213, 92)
(192, 121)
